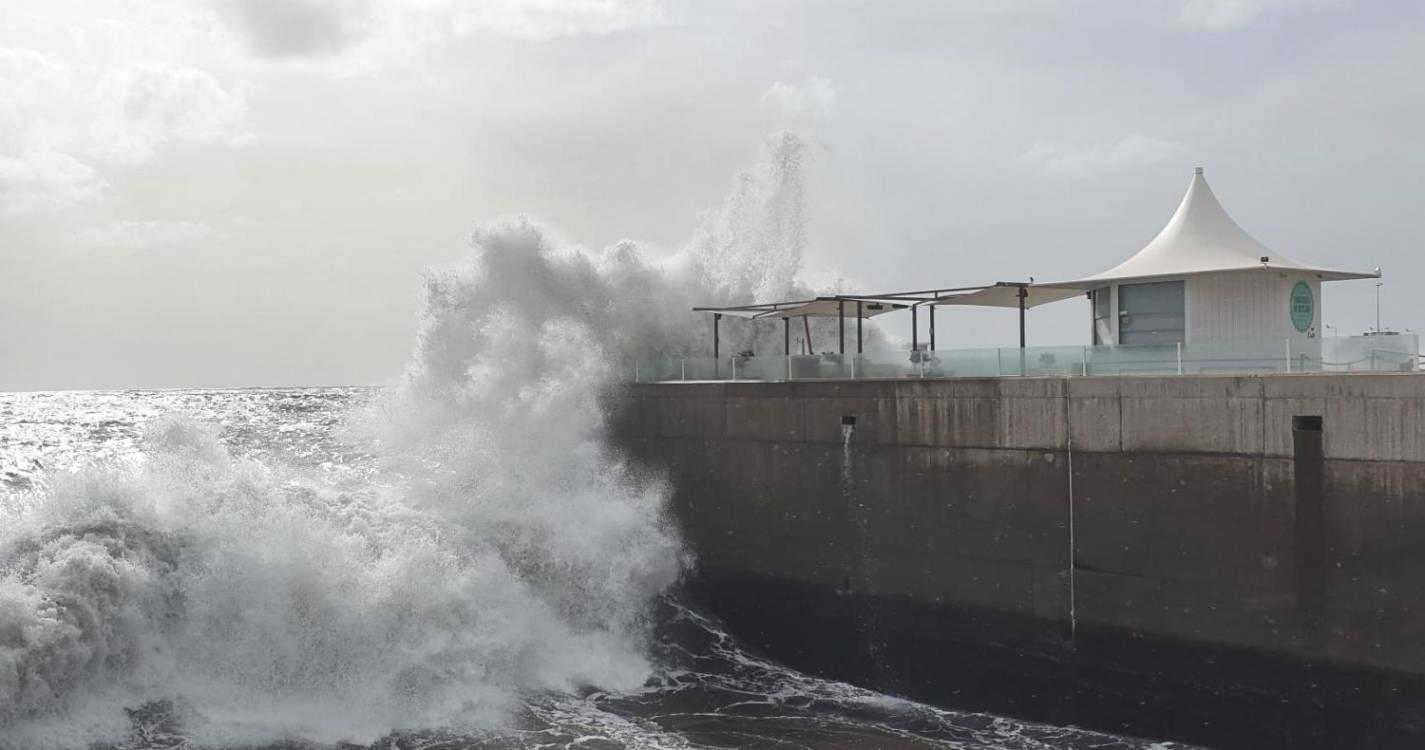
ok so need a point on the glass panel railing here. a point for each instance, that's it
(1383, 353)
(1386, 352)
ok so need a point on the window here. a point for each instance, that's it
(1102, 326)
(1151, 313)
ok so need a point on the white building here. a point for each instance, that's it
(1203, 279)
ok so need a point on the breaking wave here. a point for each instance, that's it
(499, 547)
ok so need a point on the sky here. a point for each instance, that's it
(246, 192)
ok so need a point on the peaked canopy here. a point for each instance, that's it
(1202, 238)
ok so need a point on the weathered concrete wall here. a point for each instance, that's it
(1192, 522)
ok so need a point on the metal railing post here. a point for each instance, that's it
(635, 371)
(1180, 357)
(683, 364)
(1085, 362)
(1288, 356)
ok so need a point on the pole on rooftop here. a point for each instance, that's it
(858, 326)
(914, 329)
(932, 328)
(717, 342)
(841, 314)
(1023, 295)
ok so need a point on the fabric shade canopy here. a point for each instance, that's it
(1202, 238)
(820, 307)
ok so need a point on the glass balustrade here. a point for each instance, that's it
(1383, 353)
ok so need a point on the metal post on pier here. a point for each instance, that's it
(859, 312)
(841, 316)
(914, 330)
(1023, 295)
(787, 344)
(717, 319)
(932, 328)
(717, 345)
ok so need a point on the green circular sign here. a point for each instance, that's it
(1303, 306)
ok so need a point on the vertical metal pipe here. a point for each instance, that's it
(717, 341)
(841, 315)
(858, 325)
(806, 331)
(787, 344)
(717, 344)
(1023, 295)
(932, 328)
(914, 329)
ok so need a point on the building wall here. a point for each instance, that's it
(1248, 305)
(1151, 544)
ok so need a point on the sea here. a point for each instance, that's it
(700, 688)
(460, 558)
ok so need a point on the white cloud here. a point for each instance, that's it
(45, 180)
(538, 20)
(140, 107)
(815, 97)
(1231, 15)
(293, 28)
(1133, 150)
(144, 235)
(61, 122)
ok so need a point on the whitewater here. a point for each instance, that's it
(457, 559)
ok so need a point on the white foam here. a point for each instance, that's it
(505, 550)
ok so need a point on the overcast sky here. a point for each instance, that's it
(244, 192)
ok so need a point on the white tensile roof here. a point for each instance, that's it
(1202, 238)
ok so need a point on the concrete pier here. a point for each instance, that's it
(1234, 561)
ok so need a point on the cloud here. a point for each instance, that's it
(316, 28)
(540, 20)
(815, 97)
(1133, 150)
(144, 235)
(1231, 15)
(295, 28)
(45, 180)
(61, 123)
(140, 107)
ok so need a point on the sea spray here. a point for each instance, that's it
(503, 549)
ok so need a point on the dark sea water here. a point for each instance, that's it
(81, 664)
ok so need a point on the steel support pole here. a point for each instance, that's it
(717, 341)
(858, 326)
(806, 331)
(787, 336)
(841, 316)
(932, 328)
(1023, 295)
(914, 329)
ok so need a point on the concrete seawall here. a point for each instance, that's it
(1238, 561)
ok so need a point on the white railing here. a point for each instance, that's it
(1394, 353)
